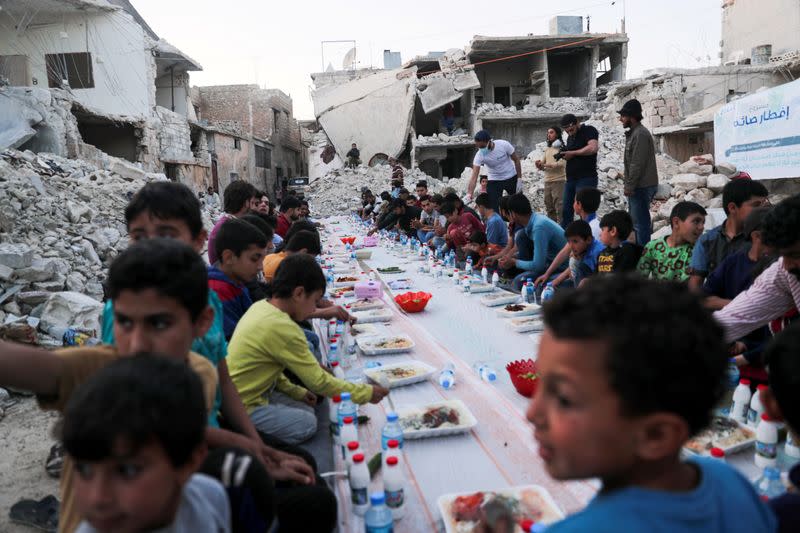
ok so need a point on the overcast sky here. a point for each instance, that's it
(277, 44)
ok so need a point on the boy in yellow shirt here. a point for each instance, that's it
(268, 341)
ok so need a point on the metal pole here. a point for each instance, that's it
(172, 85)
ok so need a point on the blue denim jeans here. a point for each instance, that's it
(639, 208)
(572, 186)
(424, 236)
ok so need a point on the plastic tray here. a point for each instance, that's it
(467, 419)
(365, 304)
(501, 298)
(343, 291)
(532, 323)
(478, 288)
(363, 254)
(363, 329)
(375, 315)
(424, 371)
(727, 449)
(342, 270)
(366, 344)
(530, 309)
(338, 284)
(551, 511)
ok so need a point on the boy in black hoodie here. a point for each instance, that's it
(619, 255)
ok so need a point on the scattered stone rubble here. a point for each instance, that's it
(61, 224)
(577, 106)
(443, 138)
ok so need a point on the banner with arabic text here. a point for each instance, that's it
(760, 133)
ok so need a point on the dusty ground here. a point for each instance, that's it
(25, 441)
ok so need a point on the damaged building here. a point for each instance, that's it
(514, 86)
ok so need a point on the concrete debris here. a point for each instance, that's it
(62, 224)
(717, 182)
(442, 138)
(538, 106)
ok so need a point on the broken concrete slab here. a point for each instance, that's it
(688, 181)
(717, 182)
(127, 170)
(436, 91)
(15, 255)
(71, 309)
(38, 271)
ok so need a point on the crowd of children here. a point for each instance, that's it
(222, 370)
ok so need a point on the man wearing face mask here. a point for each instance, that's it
(503, 165)
(554, 173)
(581, 158)
(777, 289)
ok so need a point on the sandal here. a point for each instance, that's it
(41, 515)
(55, 461)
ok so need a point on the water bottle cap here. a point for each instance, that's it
(391, 461)
(348, 420)
(717, 452)
(393, 443)
(744, 382)
(377, 498)
(391, 417)
(345, 396)
(334, 363)
(761, 387)
(336, 398)
(352, 445)
(358, 458)
(766, 418)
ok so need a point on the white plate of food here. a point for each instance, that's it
(461, 512)
(343, 291)
(527, 323)
(480, 287)
(518, 310)
(343, 270)
(384, 344)
(363, 254)
(344, 281)
(365, 304)
(436, 419)
(363, 329)
(723, 432)
(500, 298)
(374, 315)
(400, 374)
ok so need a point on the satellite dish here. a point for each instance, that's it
(349, 59)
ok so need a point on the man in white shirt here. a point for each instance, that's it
(503, 165)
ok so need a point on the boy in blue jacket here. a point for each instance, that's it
(240, 247)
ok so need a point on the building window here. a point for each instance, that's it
(171, 171)
(237, 143)
(74, 69)
(276, 119)
(263, 157)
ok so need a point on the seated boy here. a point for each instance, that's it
(428, 219)
(477, 248)
(257, 287)
(496, 229)
(735, 275)
(617, 400)
(669, 258)
(136, 453)
(584, 252)
(268, 341)
(302, 242)
(460, 226)
(546, 236)
(585, 205)
(782, 402)
(240, 248)
(619, 255)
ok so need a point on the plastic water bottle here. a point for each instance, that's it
(485, 275)
(359, 485)
(766, 443)
(769, 485)
(352, 448)
(393, 449)
(469, 268)
(741, 401)
(347, 408)
(523, 292)
(348, 247)
(487, 373)
(333, 353)
(731, 382)
(333, 416)
(353, 260)
(391, 431)
(336, 368)
(530, 292)
(548, 292)
(331, 329)
(756, 407)
(393, 487)
(72, 337)
(378, 518)
(347, 433)
(456, 277)
(792, 447)
(495, 279)
(329, 279)
(447, 377)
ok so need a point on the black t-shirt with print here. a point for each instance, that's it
(584, 166)
(621, 259)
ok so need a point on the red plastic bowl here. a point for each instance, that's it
(413, 302)
(516, 369)
(348, 240)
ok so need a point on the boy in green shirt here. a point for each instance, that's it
(669, 258)
(268, 341)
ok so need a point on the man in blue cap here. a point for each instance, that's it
(503, 164)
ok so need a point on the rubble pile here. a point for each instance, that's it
(339, 191)
(577, 106)
(443, 138)
(61, 224)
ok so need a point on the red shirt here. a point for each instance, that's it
(283, 225)
(459, 232)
